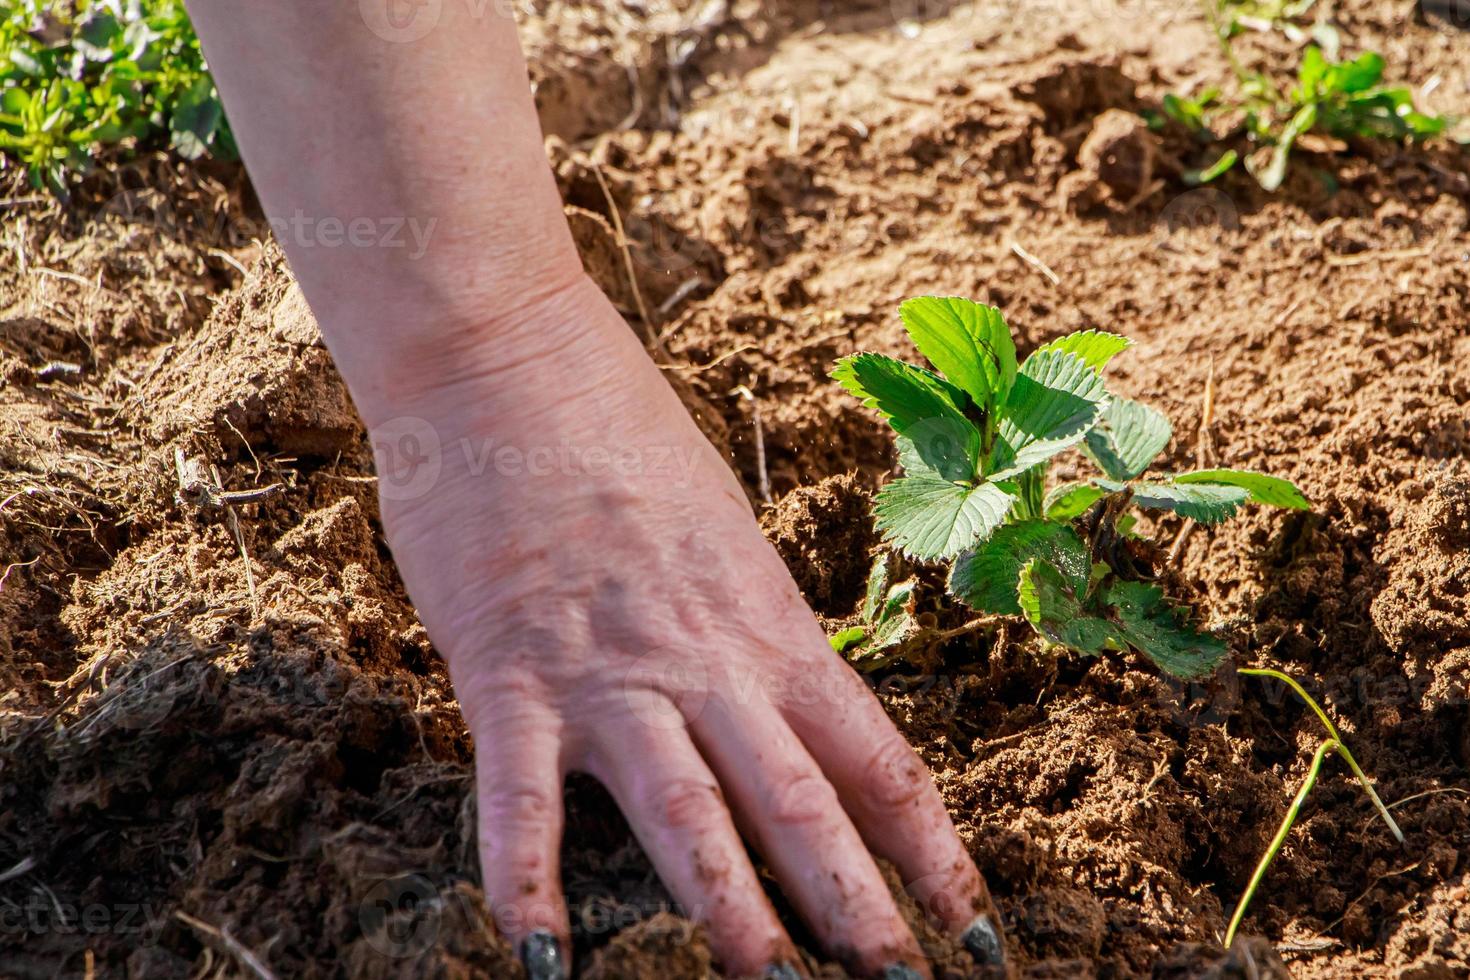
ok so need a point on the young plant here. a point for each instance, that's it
(886, 620)
(975, 440)
(1333, 743)
(78, 77)
(1338, 98)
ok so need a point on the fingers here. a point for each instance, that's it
(891, 797)
(790, 811)
(519, 783)
(673, 803)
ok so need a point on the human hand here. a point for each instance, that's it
(591, 571)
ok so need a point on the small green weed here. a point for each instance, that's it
(1341, 99)
(975, 444)
(75, 78)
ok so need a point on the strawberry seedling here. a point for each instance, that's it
(975, 440)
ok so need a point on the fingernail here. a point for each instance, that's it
(983, 942)
(780, 971)
(901, 971)
(541, 953)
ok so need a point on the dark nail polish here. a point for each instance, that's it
(780, 971)
(901, 971)
(983, 942)
(541, 953)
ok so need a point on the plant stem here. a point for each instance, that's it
(1279, 839)
(1342, 749)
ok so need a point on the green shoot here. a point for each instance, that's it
(975, 440)
(1332, 743)
(75, 78)
(886, 620)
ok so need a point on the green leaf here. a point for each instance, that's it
(968, 342)
(888, 616)
(911, 462)
(1263, 489)
(1095, 347)
(1312, 72)
(195, 118)
(893, 630)
(1051, 605)
(900, 599)
(95, 34)
(1127, 439)
(1189, 113)
(919, 405)
(932, 519)
(1070, 500)
(1057, 398)
(877, 589)
(1208, 503)
(1221, 166)
(986, 577)
(15, 101)
(1161, 632)
(1423, 126)
(1358, 75)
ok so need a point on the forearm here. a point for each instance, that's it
(405, 178)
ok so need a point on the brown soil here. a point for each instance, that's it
(196, 761)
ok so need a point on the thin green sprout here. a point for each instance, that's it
(1342, 748)
(1334, 743)
(1280, 838)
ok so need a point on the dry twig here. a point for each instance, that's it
(232, 945)
(649, 326)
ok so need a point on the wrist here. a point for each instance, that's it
(488, 351)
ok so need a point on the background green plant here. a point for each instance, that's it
(1339, 98)
(76, 78)
(975, 441)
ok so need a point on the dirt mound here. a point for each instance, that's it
(229, 721)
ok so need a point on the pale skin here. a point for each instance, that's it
(625, 619)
